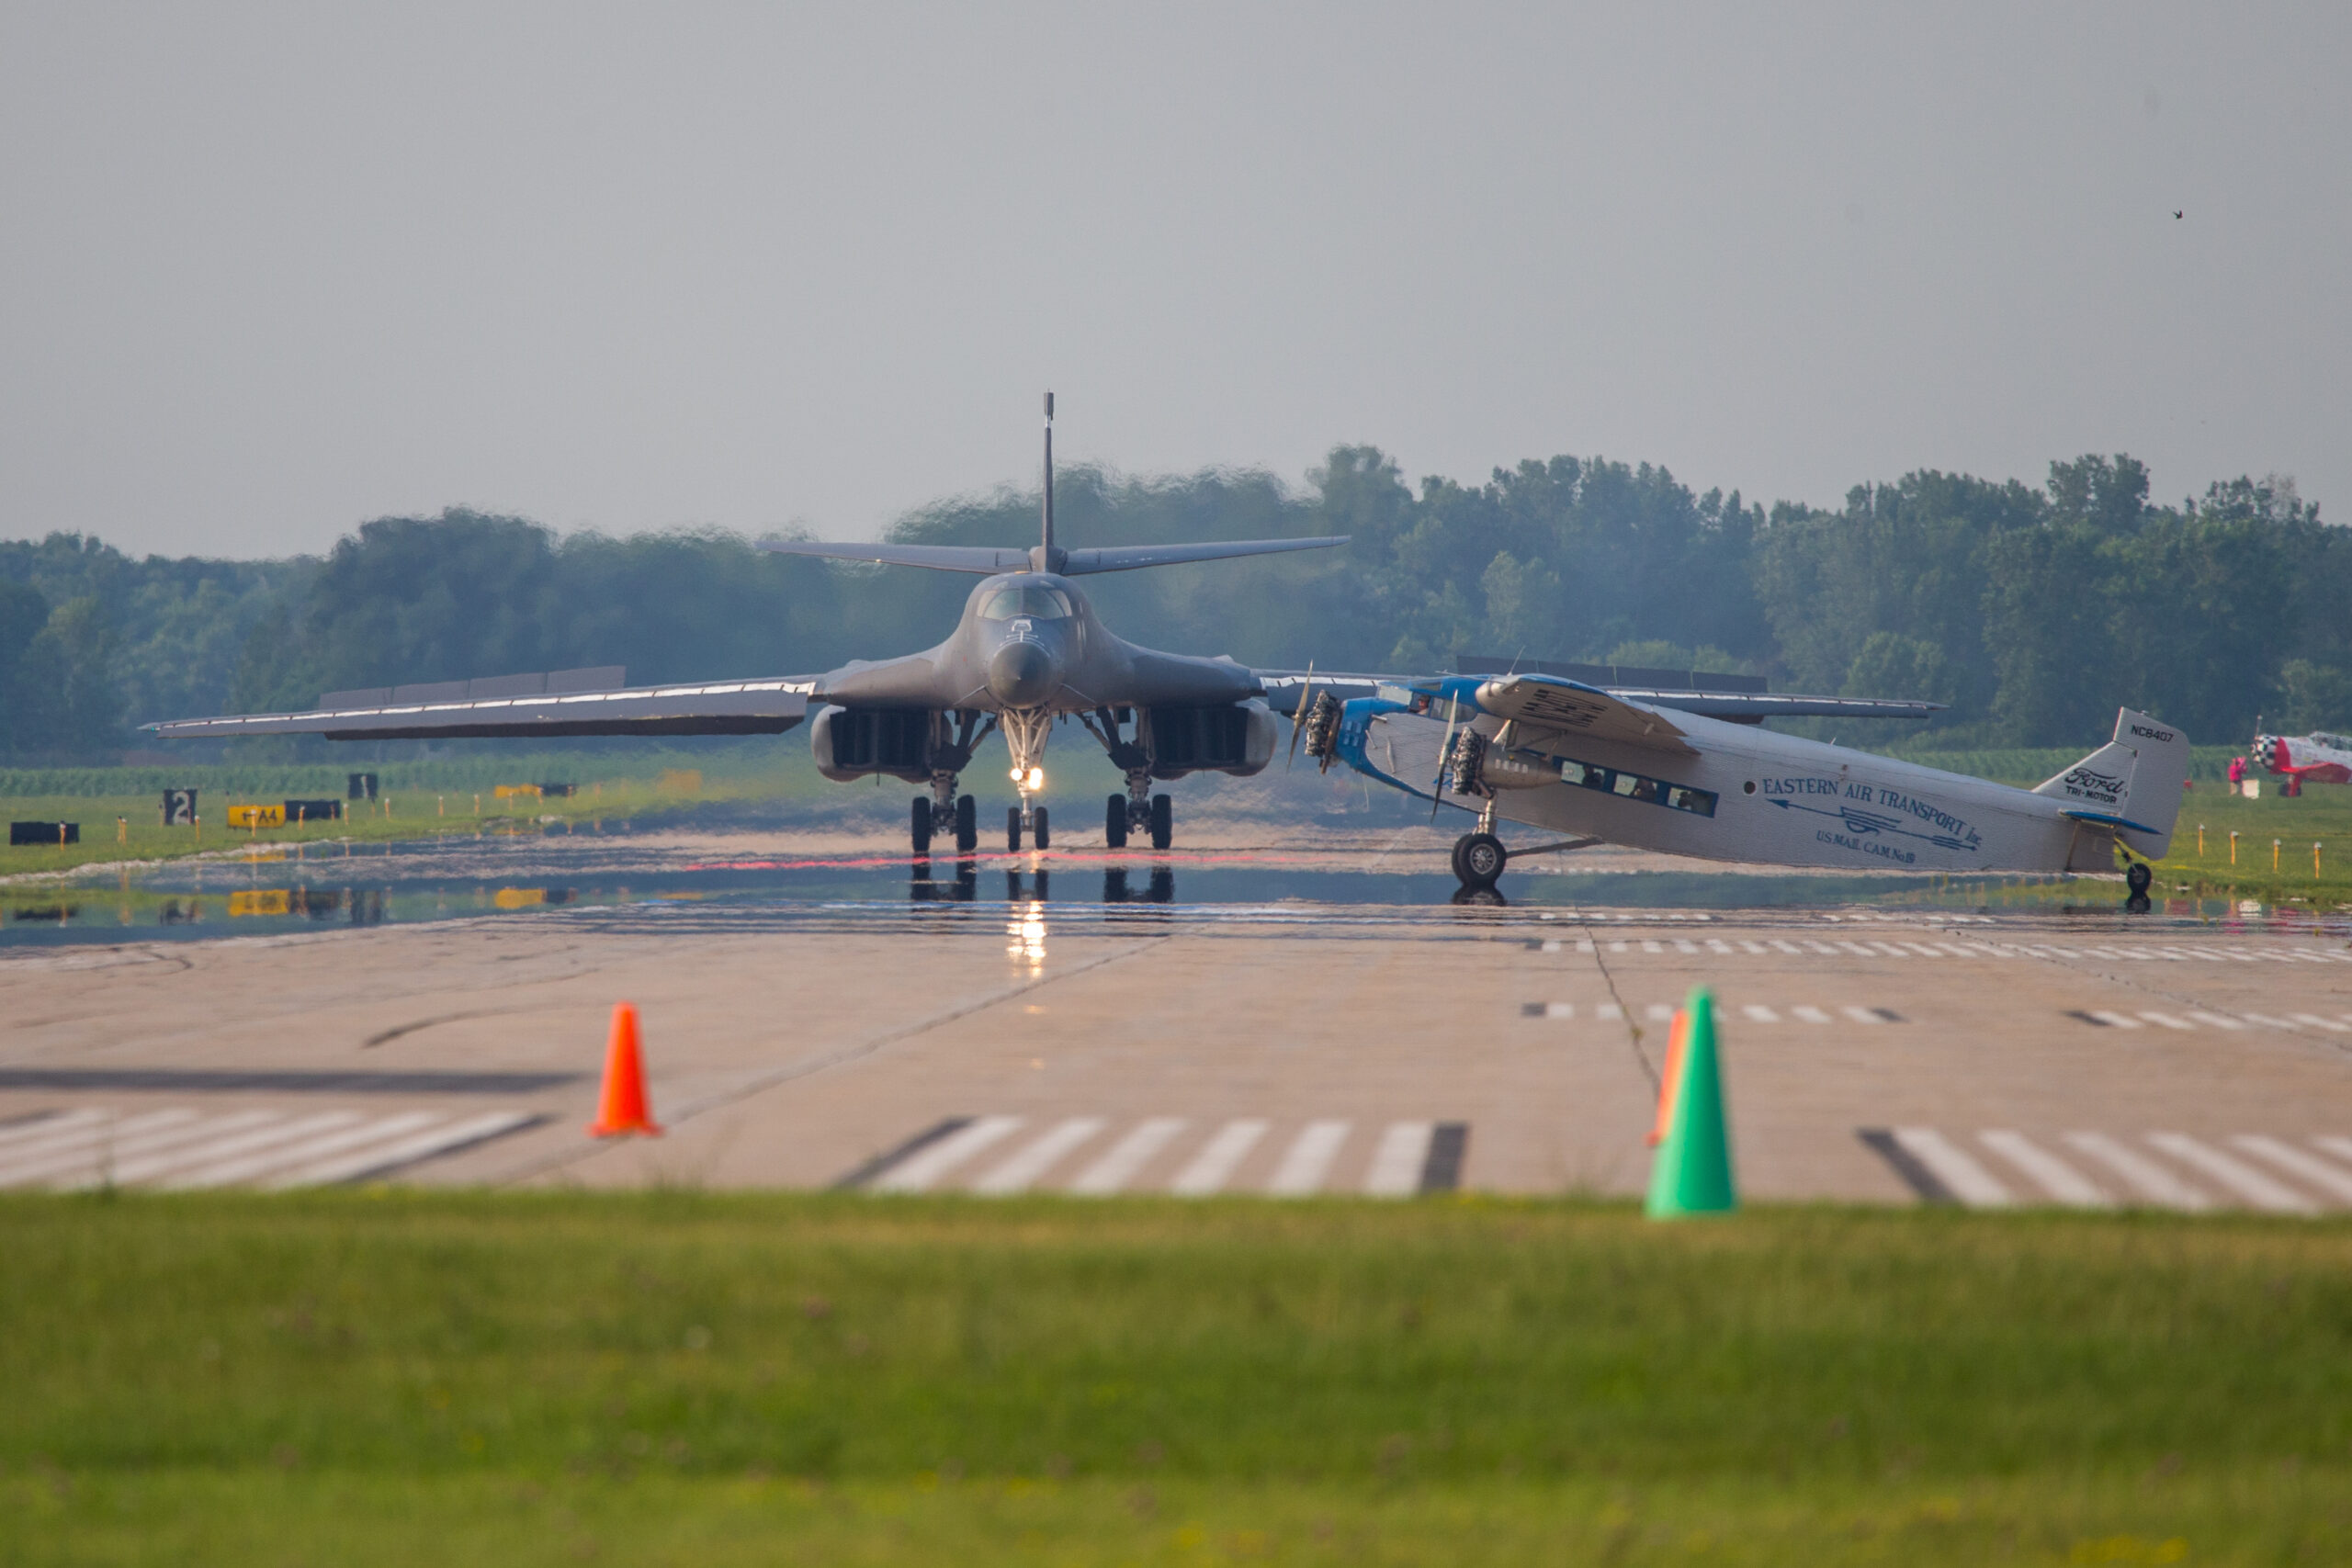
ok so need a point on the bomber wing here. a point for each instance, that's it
(511, 706)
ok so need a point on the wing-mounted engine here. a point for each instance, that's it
(1320, 729)
(1226, 737)
(1479, 767)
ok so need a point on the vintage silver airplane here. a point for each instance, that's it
(1603, 767)
(1028, 652)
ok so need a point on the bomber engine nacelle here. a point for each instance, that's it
(851, 743)
(1229, 738)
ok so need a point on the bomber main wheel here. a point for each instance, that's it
(1163, 821)
(922, 824)
(1479, 859)
(1013, 829)
(1115, 822)
(967, 824)
(1038, 834)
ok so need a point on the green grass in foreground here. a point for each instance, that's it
(682, 1378)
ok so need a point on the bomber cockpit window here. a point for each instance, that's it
(1037, 601)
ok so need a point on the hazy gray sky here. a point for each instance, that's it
(267, 272)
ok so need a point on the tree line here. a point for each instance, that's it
(2033, 611)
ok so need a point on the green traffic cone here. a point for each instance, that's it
(1691, 1173)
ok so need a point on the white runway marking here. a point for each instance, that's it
(2058, 1178)
(1659, 1012)
(2325, 1174)
(2142, 1175)
(1609, 1012)
(225, 1172)
(182, 1148)
(1019, 1173)
(2236, 1175)
(2215, 1020)
(40, 1129)
(1861, 1015)
(94, 1141)
(917, 1173)
(1553, 1009)
(1214, 1165)
(156, 1164)
(1811, 1015)
(2166, 1021)
(1956, 1168)
(2115, 1020)
(1128, 1155)
(1396, 1162)
(1308, 1159)
(1758, 1013)
(2318, 1022)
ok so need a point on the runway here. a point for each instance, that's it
(1279, 1047)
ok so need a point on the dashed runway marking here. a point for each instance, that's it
(1663, 1012)
(2163, 1170)
(1406, 1158)
(177, 1148)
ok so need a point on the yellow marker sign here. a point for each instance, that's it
(519, 897)
(507, 791)
(259, 901)
(257, 816)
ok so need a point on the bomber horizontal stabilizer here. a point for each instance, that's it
(1751, 707)
(1128, 557)
(726, 707)
(985, 561)
(980, 560)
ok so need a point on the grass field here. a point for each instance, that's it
(676, 1377)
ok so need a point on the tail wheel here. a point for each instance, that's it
(2138, 878)
(1163, 821)
(1479, 859)
(1038, 834)
(922, 825)
(967, 824)
(1115, 822)
(1013, 829)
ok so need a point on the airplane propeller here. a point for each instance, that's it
(1444, 760)
(1298, 719)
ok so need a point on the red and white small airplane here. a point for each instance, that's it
(2305, 759)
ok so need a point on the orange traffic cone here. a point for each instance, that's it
(1676, 1033)
(623, 1107)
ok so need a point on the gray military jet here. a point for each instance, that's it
(1028, 652)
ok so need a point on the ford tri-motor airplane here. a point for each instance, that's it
(1028, 651)
(1575, 759)
(2316, 758)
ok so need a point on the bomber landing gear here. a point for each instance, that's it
(1163, 821)
(1115, 822)
(1040, 831)
(957, 814)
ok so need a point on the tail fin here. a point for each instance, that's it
(2131, 783)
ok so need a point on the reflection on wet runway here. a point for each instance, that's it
(614, 880)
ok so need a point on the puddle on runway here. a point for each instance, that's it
(609, 878)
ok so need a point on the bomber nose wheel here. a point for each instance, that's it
(1163, 821)
(1115, 822)
(967, 824)
(1479, 859)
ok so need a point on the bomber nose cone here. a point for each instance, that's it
(1022, 674)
